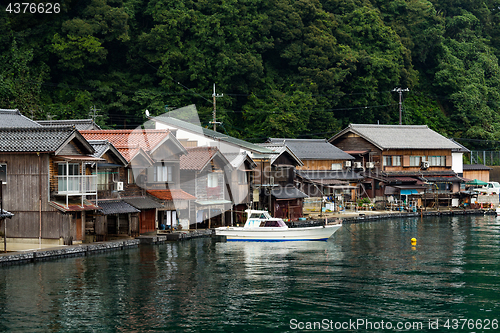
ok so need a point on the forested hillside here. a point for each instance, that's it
(287, 68)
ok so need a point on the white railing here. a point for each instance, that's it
(77, 185)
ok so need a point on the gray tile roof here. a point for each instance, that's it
(142, 203)
(400, 136)
(288, 192)
(80, 124)
(103, 146)
(116, 207)
(467, 167)
(14, 118)
(174, 122)
(34, 139)
(327, 174)
(311, 149)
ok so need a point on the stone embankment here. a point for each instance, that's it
(92, 248)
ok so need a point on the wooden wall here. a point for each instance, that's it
(319, 164)
(21, 196)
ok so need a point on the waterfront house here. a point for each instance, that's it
(407, 161)
(184, 121)
(277, 186)
(151, 181)
(204, 174)
(326, 170)
(50, 180)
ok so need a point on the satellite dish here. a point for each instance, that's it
(147, 113)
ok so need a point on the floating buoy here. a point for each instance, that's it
(414, 241)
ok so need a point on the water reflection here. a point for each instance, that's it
(368, 270)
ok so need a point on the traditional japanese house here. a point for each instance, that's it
(326, 170)
(401, 160)
(150, 183)
(185, 122)
(275, 179)
(50, 177)
(204, 174)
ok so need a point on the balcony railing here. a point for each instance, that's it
(77, 185)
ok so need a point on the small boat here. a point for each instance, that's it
(261, 227)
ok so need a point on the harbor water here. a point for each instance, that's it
(369, 277)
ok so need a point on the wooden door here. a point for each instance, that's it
(79, 227)
(147, 219)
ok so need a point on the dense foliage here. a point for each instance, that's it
(287, 68)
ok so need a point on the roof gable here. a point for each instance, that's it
(216, 136)
(14, 118)
(102, 147)
(41, 139)
(199, 157)
(312, 149)
(399, 136)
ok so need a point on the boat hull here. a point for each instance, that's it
(321, 233)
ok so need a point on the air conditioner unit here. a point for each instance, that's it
(370, 165)
(347, 164)
(118, 186)
(358, 165)
(424, 164)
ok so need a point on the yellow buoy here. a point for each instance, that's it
(414, 241)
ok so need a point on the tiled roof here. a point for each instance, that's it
(103, 146)
(148, 140)
(476, 167)
(311, 149)
(173, 194)
(142, 203)
(328, 174)
(288, 192)
(14, 118)
(109, 207)
(400, 136)
(80, 124)
(34, 139)
(174, 122)
(197, 158)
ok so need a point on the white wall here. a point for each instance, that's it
(457, 163)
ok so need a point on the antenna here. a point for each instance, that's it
(400, 91)
(214, 121)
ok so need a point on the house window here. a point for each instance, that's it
(163, 173)
(242, 177)
(415, 160)
(71, 170)
(336, 166)
(3, 173)
(213, 180)
(392, 160)
(70, 183)
(437, 160)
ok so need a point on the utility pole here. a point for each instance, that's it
(400, 91)
(214, 121)
(93, 114)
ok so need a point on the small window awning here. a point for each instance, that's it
(80, 158)
(173, 194)
(108, 165)
(212, 202)
(143, 203)
(73, 206)
(116, 207)
(408, 192)
(288, 192)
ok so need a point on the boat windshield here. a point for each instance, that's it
(274, 223)
(260, 215)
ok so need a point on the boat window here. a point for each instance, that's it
(255, 216)
(272, 224)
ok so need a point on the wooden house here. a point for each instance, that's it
(326, 169)
(277, 186)
(185, 122)
(150, 182)
(204, 174)
(50, 179)
(401, 160)
(476, 171)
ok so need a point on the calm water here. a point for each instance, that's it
(367, 273)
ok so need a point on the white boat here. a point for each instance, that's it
(261, 227)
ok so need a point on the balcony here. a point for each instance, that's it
(77, 185)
